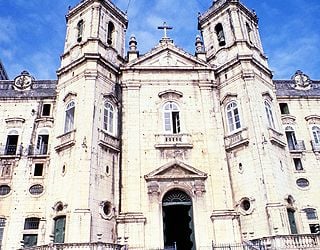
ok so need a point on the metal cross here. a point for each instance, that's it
(165, 27)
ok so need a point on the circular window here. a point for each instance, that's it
(245, 205)
(36, 189)
(4, 189)
(302, 182)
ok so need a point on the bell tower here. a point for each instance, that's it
(254, 138)
(86, 151)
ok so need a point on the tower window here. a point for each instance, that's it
(109, 118)
(69, 117)
(269, 114)
(220, 34)
(171, 118)
(249, 31)
(110, 35)
(46, 108)
(80, 30)
(233, 117)
(284, 108)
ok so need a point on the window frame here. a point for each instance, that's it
(315, 131)
(171, 118)
(69, 116)
(110, 118)
(80, 28)
(111, 29)
(233, 117)
(269, 114)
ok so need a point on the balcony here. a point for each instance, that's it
(66, 140)
(108, 141)
(77, 246)
(38, 151)
(276, 138)
(296, 241)
(297, 147)
(237, 139)
(315, 146)
(11, 151)
(173, 141)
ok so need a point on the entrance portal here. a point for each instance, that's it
(178, 221)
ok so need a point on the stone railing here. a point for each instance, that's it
(276, 137)
(299, 146)
(108, 140)
(315, 146)
(237, 139)
(42, 150)
(78, 246)
(173, 140)
(66, 140)
(290, 242)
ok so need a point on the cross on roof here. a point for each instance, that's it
(165, 27)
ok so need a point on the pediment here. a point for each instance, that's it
(167, 56)
(175, 170)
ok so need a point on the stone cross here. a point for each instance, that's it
(165, 27)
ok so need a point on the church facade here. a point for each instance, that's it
(165, 150)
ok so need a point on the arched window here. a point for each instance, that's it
(220, 34)
(69, 117)
(316, 134)
(233, 117)
(80, 30)
(171, 117)
(109, 118)
(110, 35)
(269, 113)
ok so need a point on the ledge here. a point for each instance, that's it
(173, 141)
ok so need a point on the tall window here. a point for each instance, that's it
(12, 143)
(269, 113)
(30, 236)
(110, 35)
(109, 118)
(69, 117)
(249, 32)
(284, 108)
(292, 221)
(59, 229)
(233, 117)
(312, 217)
(220, 34)
(171, 118)
(2, 226)
(42, 142)
(316, 134)
(291, 138)
(80, 30)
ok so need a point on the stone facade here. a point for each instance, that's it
(162, 149)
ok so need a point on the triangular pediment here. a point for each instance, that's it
(166, 55)
(175, 170)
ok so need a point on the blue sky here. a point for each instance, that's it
(32, 32)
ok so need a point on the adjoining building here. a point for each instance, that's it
(165, 150)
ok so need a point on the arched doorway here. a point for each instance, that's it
(178, 229)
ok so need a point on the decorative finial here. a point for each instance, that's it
(199, 44)
(133, 43)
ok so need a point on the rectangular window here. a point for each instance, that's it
(38, 169)
(6, 171)
(46, 108)
(176, 122)
(284, 108)
(30, 240)
(311, 214)
(59, 229)
(31, 223)
(12, 144)
(298, 164)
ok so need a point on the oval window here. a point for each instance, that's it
(302, 182)
(4, 189)
(245, 205)
(36, 189)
